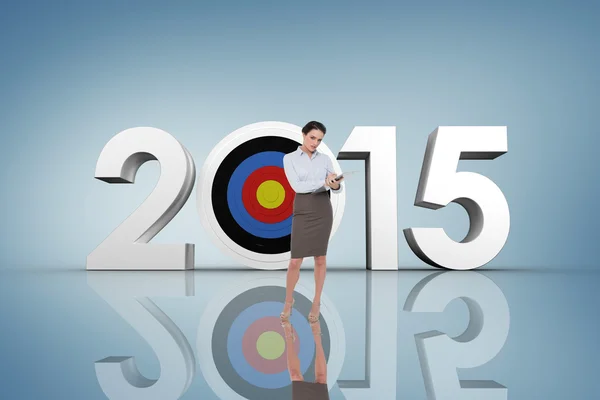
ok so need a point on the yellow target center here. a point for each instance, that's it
(270, 194)
(270, 345)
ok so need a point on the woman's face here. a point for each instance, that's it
(313, 139)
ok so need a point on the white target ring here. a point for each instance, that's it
(206, 179)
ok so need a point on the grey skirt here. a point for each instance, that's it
(311, 224)
(309, 391)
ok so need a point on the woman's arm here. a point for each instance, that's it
(295, 182)
(330, 168)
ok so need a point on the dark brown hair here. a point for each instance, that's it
(314, 125)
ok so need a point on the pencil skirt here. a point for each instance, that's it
(302, 390)
(312, 220)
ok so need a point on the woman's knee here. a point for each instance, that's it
(320, 261)
(295, 375)
(321, 378)
(295, 263)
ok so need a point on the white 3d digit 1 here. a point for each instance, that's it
(377, 146)
(127, 246)
(440, 184)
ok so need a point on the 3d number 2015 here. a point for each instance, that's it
(246, 206)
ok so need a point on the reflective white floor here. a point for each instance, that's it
(419, 334)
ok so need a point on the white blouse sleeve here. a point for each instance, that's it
(330, 168)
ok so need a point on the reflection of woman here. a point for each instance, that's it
(302, 390)
(310, 174)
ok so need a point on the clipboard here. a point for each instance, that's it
(344, 175)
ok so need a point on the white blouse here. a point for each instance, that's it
(307, 174)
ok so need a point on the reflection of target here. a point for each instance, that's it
(249, 340)
(244, 199)
(243, 344)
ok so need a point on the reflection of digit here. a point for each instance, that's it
(381, 342)
(440, 184)
(127, 246)
(377, 146)
(440, 355)
(127, 294)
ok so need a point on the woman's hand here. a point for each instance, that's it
(331, 182)
(330, 179)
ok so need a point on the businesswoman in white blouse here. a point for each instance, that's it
(311, 175)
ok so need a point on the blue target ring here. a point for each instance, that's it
(236, 204)
(236, 354)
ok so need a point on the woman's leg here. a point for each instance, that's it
(293, 273)
(293, 362)
(320, 272)
(320, 362)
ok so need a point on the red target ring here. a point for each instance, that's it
(253, 206)
(250, 350)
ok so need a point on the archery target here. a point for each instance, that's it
(244, 199)
(243, 344)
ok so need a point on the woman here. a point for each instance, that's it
(310, 174)
(302, 390)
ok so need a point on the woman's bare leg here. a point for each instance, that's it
(293, 362)
(293, 274)
(320, 362)
(320, 272)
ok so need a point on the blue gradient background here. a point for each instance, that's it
(75, 74)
